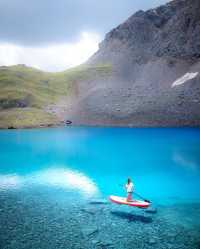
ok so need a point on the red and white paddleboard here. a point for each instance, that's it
(133, 203)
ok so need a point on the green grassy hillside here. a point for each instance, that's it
(25, 92)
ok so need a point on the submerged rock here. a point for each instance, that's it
(151, 210)
(89, 231)
(56, 225)
(152, 241)
(89, 210)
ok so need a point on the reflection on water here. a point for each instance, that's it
(187, 159)
(64, 178)
(10, 182)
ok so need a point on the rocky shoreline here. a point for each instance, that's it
(107, 125)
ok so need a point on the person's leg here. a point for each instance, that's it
(129, 197)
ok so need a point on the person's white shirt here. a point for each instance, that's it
(129, 187)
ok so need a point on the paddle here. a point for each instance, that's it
(138, 195)
(141, 197)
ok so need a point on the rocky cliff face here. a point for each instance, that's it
(170, 30)
(155, 80)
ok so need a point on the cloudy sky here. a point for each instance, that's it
(55, 35)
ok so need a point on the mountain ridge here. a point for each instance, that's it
(145, 29)
(149, 52)
(145, 73)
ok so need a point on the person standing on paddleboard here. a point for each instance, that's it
(129, 188)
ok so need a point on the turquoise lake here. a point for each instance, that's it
(55, 184)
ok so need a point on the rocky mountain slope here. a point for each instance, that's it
(155, 57)
(145, 73)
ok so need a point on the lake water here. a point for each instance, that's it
(54, 186)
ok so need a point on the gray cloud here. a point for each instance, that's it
(41, 22)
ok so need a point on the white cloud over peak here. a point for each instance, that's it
(53, 58)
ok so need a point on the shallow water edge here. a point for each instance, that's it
(33, 220)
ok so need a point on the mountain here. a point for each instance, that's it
(32, 98)
(155, 56)
(145, 73)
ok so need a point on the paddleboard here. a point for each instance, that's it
(133, 203)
